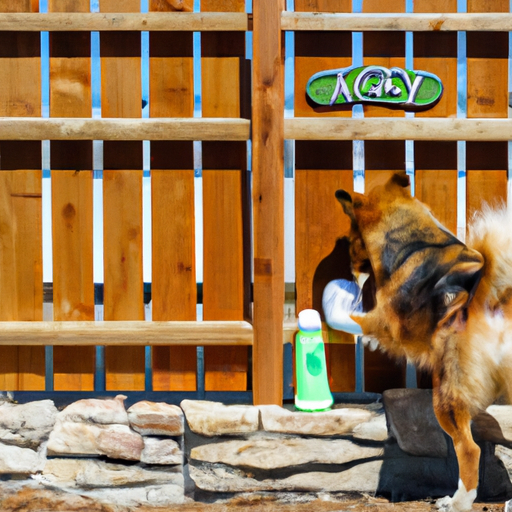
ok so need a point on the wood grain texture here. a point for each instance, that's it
(383, 49)
(427, 21)
(19, 5)
(425, 129)
(224, 193)
(73, 287)
(122, 129)
(318, 51)
(21, 279)
(114, 22)
(381, 158)
(174, 288)
(174, 277)
(436, 162)
(268, 203)
(321, 253)
(486, 164)
(121, 96)
(115, 333)
(424, 20)
(298, 128)
(487, 62)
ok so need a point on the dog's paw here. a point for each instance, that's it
(462, 500)
(444, 504)
(370, 342)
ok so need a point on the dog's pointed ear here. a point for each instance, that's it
(399, 179)
(458, 286)
(346, 202)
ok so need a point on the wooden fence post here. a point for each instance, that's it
(268, 201)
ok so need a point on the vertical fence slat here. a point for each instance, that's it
(383, 49)
(321, 168)
(436, 162)
(224, 164)
(73, 286)
(123, 291)
(487, 164)
(268, 203)
(487, 60)
(174, 290)
(121, 96)
(21, 279)
(381, 159)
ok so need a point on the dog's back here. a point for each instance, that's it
(490, 233)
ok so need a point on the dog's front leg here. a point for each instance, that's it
(455, 419)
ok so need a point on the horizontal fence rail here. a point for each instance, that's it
(435, 129)
(435, 22)
(25, 128)
(152, 21)
(134, 333)
(126, 333)
(242, 22)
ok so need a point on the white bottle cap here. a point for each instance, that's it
(309, 320)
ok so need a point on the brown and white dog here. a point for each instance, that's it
(445, 306)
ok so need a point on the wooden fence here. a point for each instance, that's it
(456, 153)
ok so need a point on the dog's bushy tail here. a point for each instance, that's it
(490, 233)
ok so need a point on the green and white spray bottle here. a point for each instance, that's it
(313, 392)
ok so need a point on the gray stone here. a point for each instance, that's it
(161, 451)
(327, 423)
(96, 411)
(27, 425)
(14, 459)
(213, 418)
(412, 422)
(114, 441)
(90, 473)
(156, 419)
(275, 453)
(363, 478)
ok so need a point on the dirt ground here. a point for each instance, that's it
(45, 500)
(350, 505)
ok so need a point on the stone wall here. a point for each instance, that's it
(155, 454)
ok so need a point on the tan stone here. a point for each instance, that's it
(374, 429)
(114, 441)
(362, 478)
(161, 451)
(96, 411)
(27, 425)
(505, 454)
(163, 495)
(154, 419)
(213, 418)
(274, 453)
(14, 459)
(327, 423)
(89, 473)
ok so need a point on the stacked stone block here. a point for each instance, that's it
(98, 449)
(233, 449)
(158, 455)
